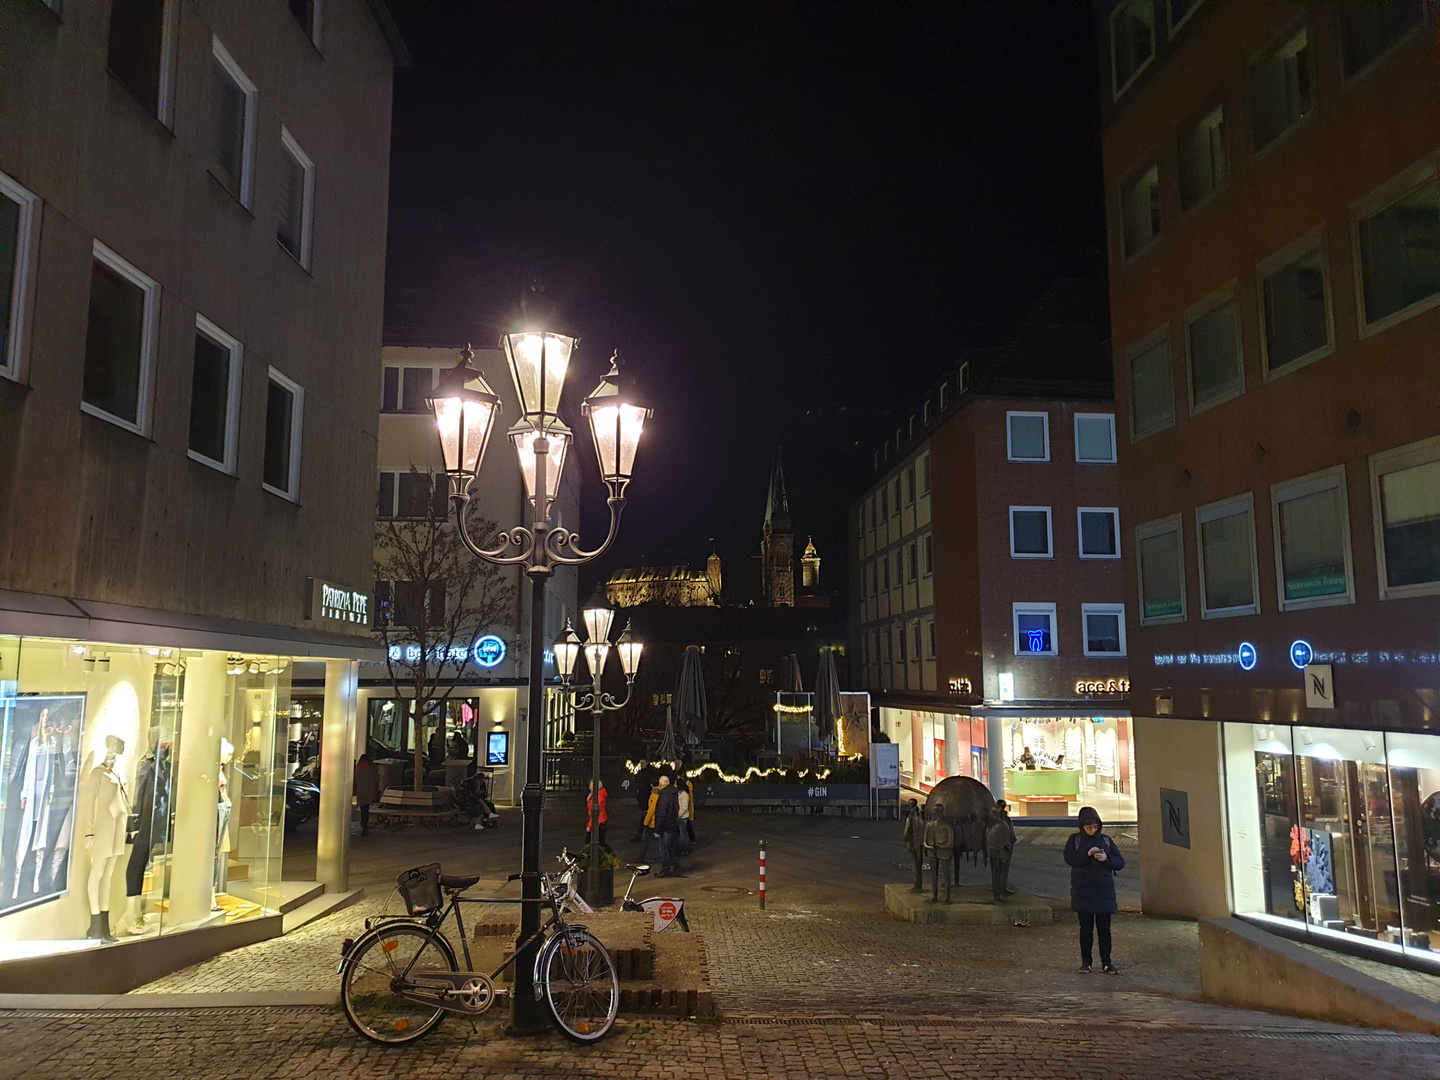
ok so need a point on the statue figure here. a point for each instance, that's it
(915, 840)
(963, 804)
(940, 839)
(999, 847)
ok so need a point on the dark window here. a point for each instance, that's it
(440, 504)
(415, 495)
(1370, 29)
(390, 392)
(290, 230)
(929, 553)
(9, 269)
(1280, 90)
(279, 420)
(1030, 532)
(418, 383)
(1140, 211)
(911, 563)
(885, 502)
(210, 398)
(1097, 533)
(1132, 40)
(304, 12)
(386, 507)
(409, 604)
(137, 29)
(384, 604)
(228, 103)
(1400, 252)
(925, 475)
(910, 485)
(1204, 162)
(1295, 322)
(1102, 632)
(114, 344)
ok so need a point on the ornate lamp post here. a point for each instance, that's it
(568, 647)
(465, 411)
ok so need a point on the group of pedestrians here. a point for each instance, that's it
(666, 800)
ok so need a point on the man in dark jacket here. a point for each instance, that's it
(644, 784)
(999, 848)
(667, 828)
(1094, 861)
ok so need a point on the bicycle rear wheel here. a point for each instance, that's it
(368, 989)
(581, 988)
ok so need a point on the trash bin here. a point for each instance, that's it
(390, 772)
(456, 770)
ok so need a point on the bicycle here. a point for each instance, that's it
(400, 978)
(665, 909)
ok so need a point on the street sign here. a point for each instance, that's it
(1319, 686)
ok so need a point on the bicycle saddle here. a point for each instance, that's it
(459, 884)
(642, 869)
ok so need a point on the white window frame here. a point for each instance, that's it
(316, 27)
(1116, 88)
(169, 44)
(247, 154)
(1009, 442)
(1049, 534)
(927, 547)
(1174, 27)
(1278, 42)
(1228, 294)
(1403, 457)
(149, 334)
(1324, 480)
(232, 396)
(1155, 339)
(1212, 512)
(1094, 416)
(1290, 253)
(1159, 527)
(1126, 254)
(1185, 134)
(27, 249)
(288, 145)
(1080, 512)
(1018, 609)
(1087, 610)
(927, 629)
(1392, 190)
(297, 418)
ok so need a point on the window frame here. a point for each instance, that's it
(1181, 140)
(1080, 512)
(297, 426)
(1157, 338)
(1401, 457)
(149, 341)
(1110, 416)
(1292, 252)
(317, 16)
(232, 345)
(1226, 294)
(1292, 30)
(1160, 526)
(1049, 533)
(1300, 486)
(1368, 206)
(1009, 437)
(927, 549)
(1017, 609)
(1223, 508)
(1126, 254)
(1117, 89)
(246, 194)
(1086, 610)
(289, 146)
(1379, 58)
(1175, 27)
(27, 250)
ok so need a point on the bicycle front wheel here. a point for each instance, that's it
(581, 987)
(370, 989)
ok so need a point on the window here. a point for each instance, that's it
(1095, 438)
(1152, 386)
(232, 124)
(1227, 558)
(927, 547)
(1369, 30)
(1030, 532)
(929, 639)
(412, 495)
(283, 423)
(885, 571)
(899, 633)
(895, 497)
(1179, 12)
(1294, 307)
(1204, 162)
(120, 341)
(909, 485)
(915, 625)
(412, 603)
(1099, 532)
(297, 199)
(1162, 571)
(1280, 90)
(925, 474)
(1405, 491)
(1140, 211)
(140, 51)
(1028, 436)
(307, 13)
(18, 211)
(1212, 344)
(1312, 540)
(885, 503)
(912, 560)
(1034, 629)
(406, 389)
(214, 396)
(1132, 42)
(1104, 629)
(1397, 236)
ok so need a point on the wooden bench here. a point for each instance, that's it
(414, 815)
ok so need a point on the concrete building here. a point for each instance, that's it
(192, 242)
(1270, 177)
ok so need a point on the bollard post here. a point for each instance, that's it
(762, 875)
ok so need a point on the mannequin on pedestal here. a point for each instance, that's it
(152, 792)
(105, 809)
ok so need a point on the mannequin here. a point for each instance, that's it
(107, 805)
(147, 781)
(36, 799)
(222, 823)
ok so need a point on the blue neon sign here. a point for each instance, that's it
(1036, 640)
(1301, 653)
(488, 651)
(1248, 656)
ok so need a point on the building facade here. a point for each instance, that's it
(192, 241)
(1274, 219)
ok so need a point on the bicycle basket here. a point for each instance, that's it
(420, 888)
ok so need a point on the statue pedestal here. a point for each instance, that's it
(970, 905)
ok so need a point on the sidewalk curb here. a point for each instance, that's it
(250, 999)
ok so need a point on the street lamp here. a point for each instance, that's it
(465, 411)
(596, 650)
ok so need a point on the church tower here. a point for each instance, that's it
(777, 545)
(712, 575)
(810, 566)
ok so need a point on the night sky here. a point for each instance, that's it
(789, 218)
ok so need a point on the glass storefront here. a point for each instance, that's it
(1338, 831)
(936, 745)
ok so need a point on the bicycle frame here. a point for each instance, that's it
(664, 909)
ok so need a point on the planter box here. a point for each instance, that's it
(607, 888)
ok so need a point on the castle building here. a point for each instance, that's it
(810, 566)
(777, 546)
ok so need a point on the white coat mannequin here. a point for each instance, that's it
(107, 805)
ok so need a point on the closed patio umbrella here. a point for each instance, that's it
(827, 697)
(690, 698)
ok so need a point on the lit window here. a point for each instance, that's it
(19, 211)
(1212, 344)
(1312, 540)
(1140, 211)
(297, 199)
(1204, 161)
(284, 413)
(1034, 629)
(1152, 387)
(1028, 436)
(1095, 438)
(1280, 90)
(1099, 532)
(1227, 558)
(1132, 42)
(214, 396)
(1030, 532)
(1369, 30)
(1162, 571)
(1104, 629)
(120, 341)
(1405, 486)
(232, 124)
(1398, 241)
(1295, 307)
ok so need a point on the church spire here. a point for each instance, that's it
(777, 503)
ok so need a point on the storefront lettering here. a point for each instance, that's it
(331, 602)
(1102, 686)
(961, 685)
(1248, 661)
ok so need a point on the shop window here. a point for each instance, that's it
(140, 51)
(1280, 90)
(1104, 629)
(19, 211)
(1095, 438)
(1312, 540)
(1152, 386)
(1140, 211)
(1212, 349)
(1397, 238)
(1370, 30)
(1227, 558)
(284, 411)
(1295, 307)
(120, 341)
(1034, 626)
(214, 396)
(1204, 160)
(297, 200)
(1405, 491)
(1099, 532)
(1028, 436)
(1132, 42)
(1162, 571)
(1030, 536)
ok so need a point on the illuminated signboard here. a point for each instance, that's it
(488, 651)
(1248, 656)
(1102, 686)
(1301, 653)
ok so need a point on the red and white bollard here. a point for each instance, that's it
(762, 875)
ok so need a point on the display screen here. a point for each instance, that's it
(497, 748)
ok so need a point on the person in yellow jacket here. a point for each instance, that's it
(648, 824)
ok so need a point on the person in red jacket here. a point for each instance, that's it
(590, 812)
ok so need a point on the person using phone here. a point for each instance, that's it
(1094, 861)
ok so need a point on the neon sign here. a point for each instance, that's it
(1248, 656)
(1301, 653)
(1103, 686)
(1036, 640)
(488, 651)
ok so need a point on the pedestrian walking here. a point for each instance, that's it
(645, 779)
(367, 790)
(999, 848)
(687, 821)
(682, 797)
(590, 813)
(648, 822)
(667, 827)
(1094, 861)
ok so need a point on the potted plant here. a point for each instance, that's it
(608, 863)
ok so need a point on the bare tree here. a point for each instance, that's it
(737, 705)
(435, 598)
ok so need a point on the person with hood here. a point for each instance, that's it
(999, 848)
(667, 827)
(1094, 861)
